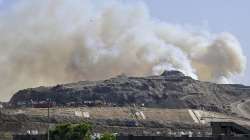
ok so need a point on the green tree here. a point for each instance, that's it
(81, 131)
(107, 136)
(61, 132)
(71, 132)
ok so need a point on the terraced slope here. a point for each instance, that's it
(126, 120)
(171, 90)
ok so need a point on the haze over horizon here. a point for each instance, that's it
(46, 43)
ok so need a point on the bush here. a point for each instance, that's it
(108, 136)
(71, 132)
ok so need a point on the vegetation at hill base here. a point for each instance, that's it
(80, 131)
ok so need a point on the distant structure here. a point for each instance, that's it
(229, 129)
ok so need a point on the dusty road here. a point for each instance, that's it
(239, 108)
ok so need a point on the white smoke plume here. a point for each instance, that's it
(48, 42)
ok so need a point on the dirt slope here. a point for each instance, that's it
(171, 90)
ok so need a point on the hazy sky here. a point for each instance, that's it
(214, 15)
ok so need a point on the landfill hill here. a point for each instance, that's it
(171, 90)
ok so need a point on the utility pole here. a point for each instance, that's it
(48, 100)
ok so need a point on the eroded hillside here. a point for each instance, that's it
(172, 89)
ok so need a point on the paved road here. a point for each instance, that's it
(238, 108)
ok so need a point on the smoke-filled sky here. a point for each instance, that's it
(213, 15)
(49, 42)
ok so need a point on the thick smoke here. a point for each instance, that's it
(48, 42)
